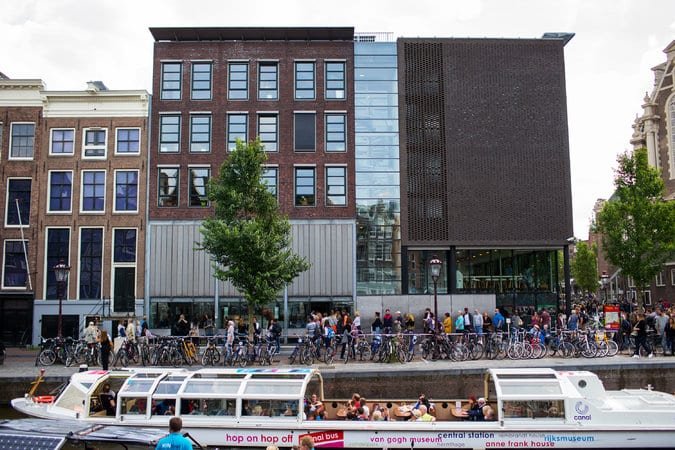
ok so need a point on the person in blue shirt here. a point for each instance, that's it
(174, 441)
(498, 320)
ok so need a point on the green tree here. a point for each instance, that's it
(248, 239)
(637, 225)
(585, 267)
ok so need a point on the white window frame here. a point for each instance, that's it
(138, 194)
(11, 135)
(46, 256)
(104, 147)
(114, 265)
(49, 192)
(51, 141)
(658, 279)
(140, 141)
(7, 205)
(4, 256)
(105, 181)
(79, 258)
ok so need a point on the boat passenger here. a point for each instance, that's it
(385, 414)
(377, 415)
(425, 416)
(422, 400)
(107, 398)
(476, 411)
(316, 406)
(174, 441)
(307, 443)
(416, 415)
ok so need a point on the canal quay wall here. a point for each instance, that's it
(437, 379)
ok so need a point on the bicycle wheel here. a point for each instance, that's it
(364, 352)
(122, 357)
(207, 358)
(515, 351)
(47, 357)
(293, 356)
(477, 351)
(603, 349)
(566, 349)
(589, 350)
(612, 348)
(329, 354)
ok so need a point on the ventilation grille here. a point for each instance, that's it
(425, 146)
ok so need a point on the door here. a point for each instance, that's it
(125, 289)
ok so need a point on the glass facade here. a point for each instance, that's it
(377, 169)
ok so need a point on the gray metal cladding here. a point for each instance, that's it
(500, 160)
(176, 269)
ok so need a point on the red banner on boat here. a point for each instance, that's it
(611, 317)
(333, 439)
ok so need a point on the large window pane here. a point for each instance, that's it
(93, 191)
(304, 80)
(336, 186)
(268, 81)
(128, 140)
(171, 80)
(200, 133)
(60, 191)
(15, 271)
(268, 131)
(305, 132)
(126, 190)
(125, 246)
(199, 177)
(336, 132)
(201, 81)
(58, 248)
(270, 178)
(238, 81)
(23, 140)
(305, 186)
(62, 142)
(237, 128)
(167, 187)
(91, 261)
(18, 190)
(169, 134)
(335, 81)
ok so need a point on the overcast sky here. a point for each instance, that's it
(608, 63)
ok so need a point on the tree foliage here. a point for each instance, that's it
(248, 238)
(585, 267)
(637, 225)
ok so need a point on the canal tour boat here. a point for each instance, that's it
(533, 408)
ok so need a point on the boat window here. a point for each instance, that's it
(72, 398)
(211, 387)
(237, 376)
(269, 408)
(208, 407)
(534, 409)
(287, 388)
(134, 406)
(164, 407)
(285, 376)
(520, 388)
(166, 388)
(138, 385)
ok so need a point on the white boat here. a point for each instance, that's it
(535, 408)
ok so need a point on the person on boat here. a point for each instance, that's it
(425, 416)
(385, 413)
(307, 443)
(316, 406)
(422, 400)
(476, 411)
(174, 441)
(416, 415)
(107, 397)
(377, 415)
(106, 348)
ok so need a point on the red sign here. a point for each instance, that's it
(334, 439)
(612, 317)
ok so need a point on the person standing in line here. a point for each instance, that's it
(478, 322)
(641, 338)
(447, 323)
(174, 441)
(498, 320)
(307, 443)
(106, 347)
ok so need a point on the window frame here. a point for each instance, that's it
(295, 131)
(296, 194)
(24, 251)
(48, 267)
(113, 244)
(177, 189)
(80, 265)
(658, 279)
(192, 142)
(264, 179)
(10, 155)
(116, 172)
(162, 81)
(193, 81)
(276, 130)
(51, 142)
(190, 184)
(327, 132)
(327, 185)
(117, 141)
(327, 90)
(50, 173)
(86, 148)
(232, 144)
(178, 132)
(297, 80)
(82, 196)
(274, 64)
(13, 203)
(230, 64)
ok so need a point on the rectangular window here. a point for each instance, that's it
(14, 269)
(60, 191)
(201, 81)
(268, 128)
(336, 186)
(237, 128)
(169, 134)
(171, 80)
(270, 178)
(305, 132)
(336, 132)
(304, 186)
(200, 133)
(304, 81)
(62, 142)
(199, 177)
(268, 81)
(124, 250)
(93, 191)
(58, 248)
(659, 279)
(237, 87)
(128, 141)
(18, 189)
(91, 263)
(167, 190)
(22, 141)
(672, 277)
(94, 142)
(335, 80)
(126, 191)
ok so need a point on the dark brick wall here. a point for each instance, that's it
(504, 169)
(285, 52)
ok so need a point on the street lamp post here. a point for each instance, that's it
(61, 271)
(435, 264)
(604, 280)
